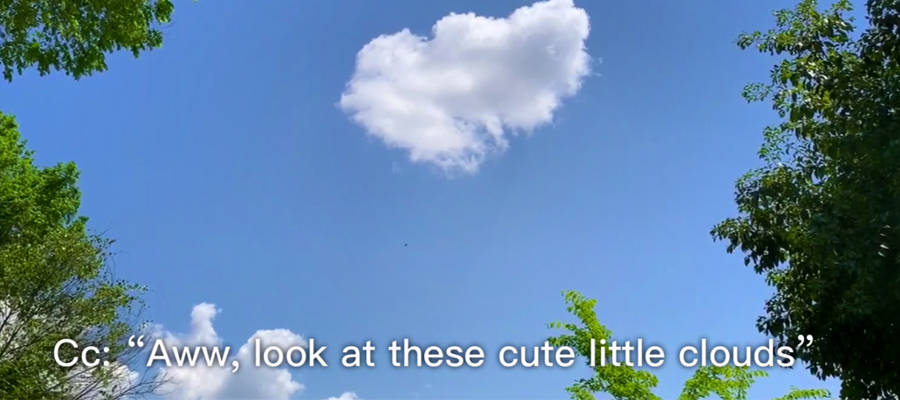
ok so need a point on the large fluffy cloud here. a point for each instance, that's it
(199, 382)
(455, 98)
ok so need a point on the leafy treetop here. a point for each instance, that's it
(626, 383)
(75, 36)
(54, 283)
(821, 218)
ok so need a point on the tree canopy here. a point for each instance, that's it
(74, 36)
(821, 218)
(55, 281)
(54, 284)
(626, 383)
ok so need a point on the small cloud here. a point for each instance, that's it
(455, 98)
(345, 396)
(200, 382)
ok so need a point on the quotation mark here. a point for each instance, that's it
(139, 342)
(805, 340)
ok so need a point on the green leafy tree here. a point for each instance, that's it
(626, 383)
(54, 279)
(821, 218)
(55, 284)
(75, 36)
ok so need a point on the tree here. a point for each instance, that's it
(74, 36)
(54, 277)
(821, 218)
(55, 284)
(625, 383)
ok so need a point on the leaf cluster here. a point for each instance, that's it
(75, 36)
(821, 218)
(54, 281)
(626, 383)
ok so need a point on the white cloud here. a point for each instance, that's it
(199, 382)
(345, 396)
(455, 98)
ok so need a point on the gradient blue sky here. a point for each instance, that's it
(227, 173)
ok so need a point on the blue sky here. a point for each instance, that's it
(227, 171)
